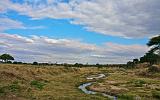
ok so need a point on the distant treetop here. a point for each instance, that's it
(6, 57)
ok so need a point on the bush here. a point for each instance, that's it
(130, 64)
(9, 62)
(15, 62)
(35, 63)
(37, 84)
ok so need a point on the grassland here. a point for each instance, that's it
(28, 82)
(130, 84)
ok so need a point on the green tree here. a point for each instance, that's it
(130, 64)
(135, 61)
(150, 57)
(6, 57)
(154, 43)
(35, 63)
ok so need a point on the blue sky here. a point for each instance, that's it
(95, 26)
(62, 28)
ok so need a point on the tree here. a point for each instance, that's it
(150, 57)
(130, 64)
(35, 63)
(6, 57)
(154, 43)
(135, 61)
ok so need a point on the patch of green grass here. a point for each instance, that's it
(13, 87)
(2, 91)
(126, 97)
(156, 94)
(138, 83)
(37, 84)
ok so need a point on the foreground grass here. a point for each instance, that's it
(28, 82)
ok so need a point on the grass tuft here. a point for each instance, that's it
(156, 94)
(37, 84)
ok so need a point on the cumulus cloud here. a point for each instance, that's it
(44, 49)
(125, 18)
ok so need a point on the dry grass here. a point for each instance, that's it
(28, 82)
(128, 85)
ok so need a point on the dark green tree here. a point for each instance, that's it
(135, 61)
(35, 63)
(6, 57)
(150, 57)
(130, 64)
(154, 43)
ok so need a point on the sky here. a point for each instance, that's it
(78, 31)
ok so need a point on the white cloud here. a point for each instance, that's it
(6, 23)
(125, 18)
(127, 50)
(15, 38)
(44, 49)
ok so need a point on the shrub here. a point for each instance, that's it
(130, 64)
(35, 63)
(15, 62)
(9, 62)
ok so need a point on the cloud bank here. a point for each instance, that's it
(44, 49)
(124, 18)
